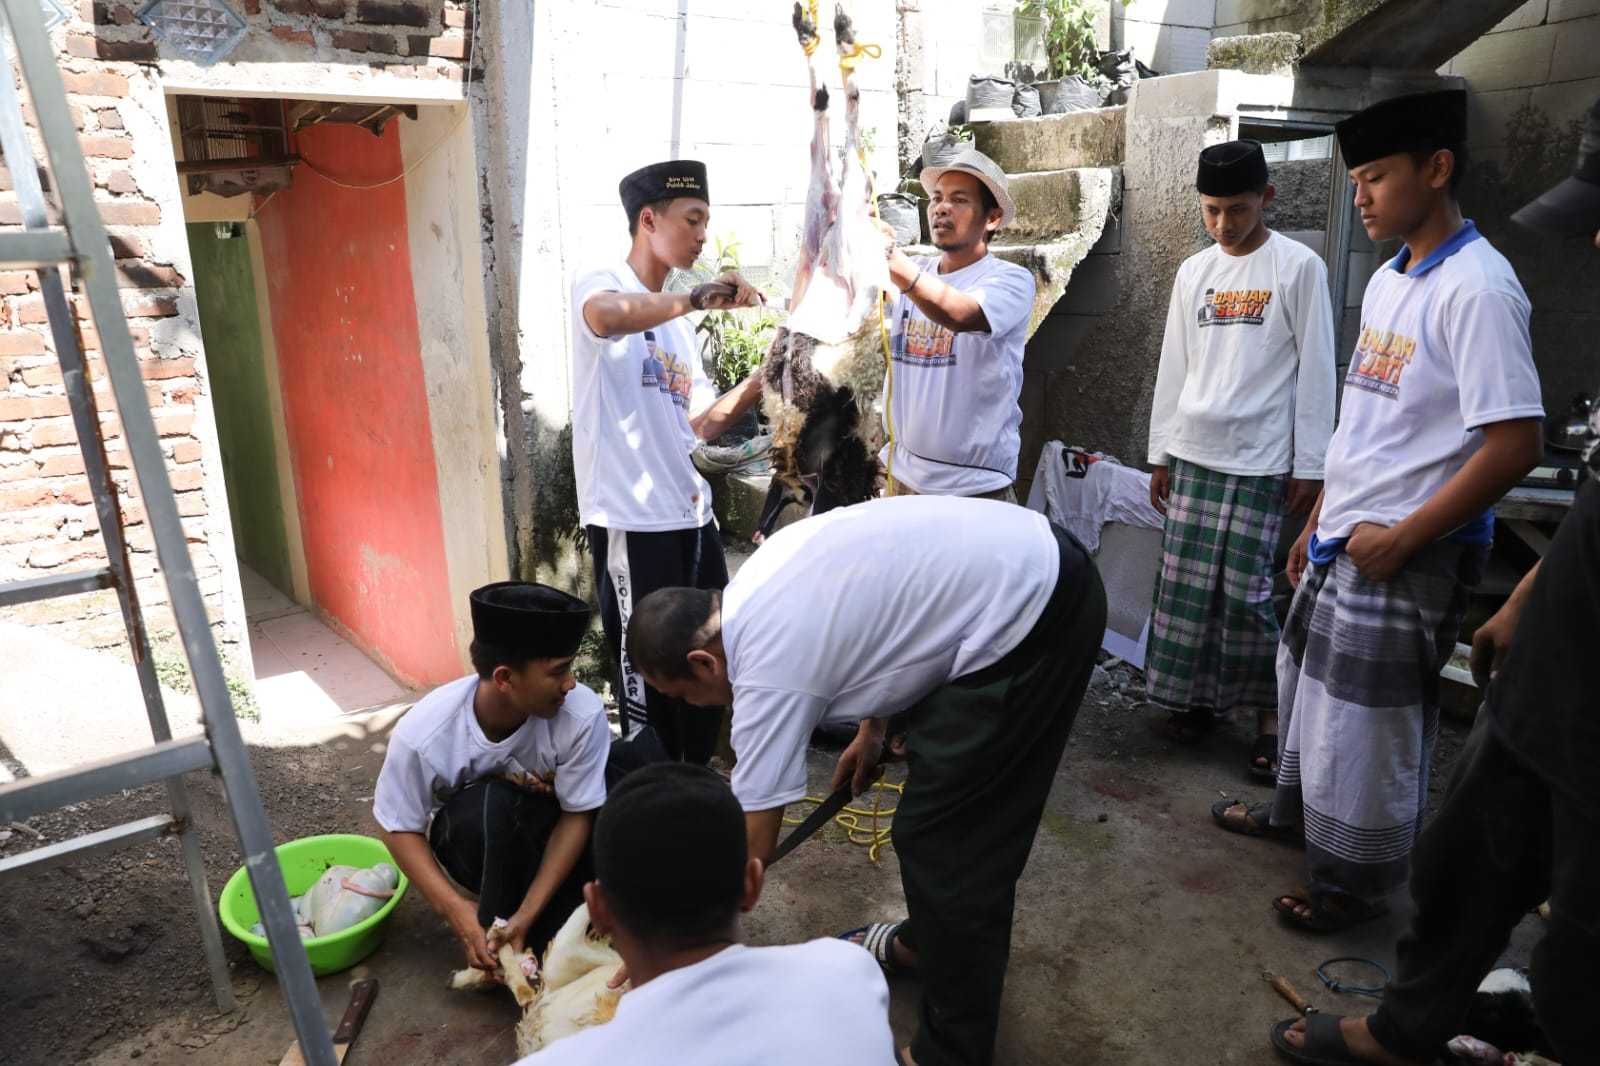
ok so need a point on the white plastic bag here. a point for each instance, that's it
(347, 895)
(305, 930)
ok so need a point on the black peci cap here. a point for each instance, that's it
(1421, 122)
(1232, 168)
(534, 620)
(663, 181)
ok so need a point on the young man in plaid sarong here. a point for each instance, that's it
(1441, 415)
(1242, 413)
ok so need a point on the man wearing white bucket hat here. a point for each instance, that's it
(958, 329)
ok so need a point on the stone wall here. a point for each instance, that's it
(116, 77)
(1531, 80)
(1235, 17)
(1301, 202)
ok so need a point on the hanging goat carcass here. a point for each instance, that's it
(826, 365)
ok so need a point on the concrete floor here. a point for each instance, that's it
(1140, 937)
(304, 670)
(1141, 929)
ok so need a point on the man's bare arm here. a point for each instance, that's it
(1510, 449)
(939, 300)
(761, 828)
(614, 314)
(728, 408)
(561, 853)
(415, 859)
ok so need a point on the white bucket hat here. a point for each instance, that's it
(984, 169)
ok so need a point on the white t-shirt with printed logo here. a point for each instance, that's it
(862, 611)
(438, 747)
(1443, 351)
(631, 399)
(957, 425)
(1246, 383)
(823, 1003)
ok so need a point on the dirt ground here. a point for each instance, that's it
(1140, 937)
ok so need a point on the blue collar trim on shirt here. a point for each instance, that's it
(1458, 240)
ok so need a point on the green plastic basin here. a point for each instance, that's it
(302, 862)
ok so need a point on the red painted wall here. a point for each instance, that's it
(355, 405)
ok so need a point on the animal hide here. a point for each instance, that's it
(567, 995)
(826, 366)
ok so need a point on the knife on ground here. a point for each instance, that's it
(362, 993)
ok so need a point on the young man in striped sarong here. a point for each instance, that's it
(1520, 819)
(1242, 414)
(1441, 415)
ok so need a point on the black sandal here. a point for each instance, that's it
(878, 938)
(1324, 1042)
(1265, 748)
(1256, 821)
(1331, 912)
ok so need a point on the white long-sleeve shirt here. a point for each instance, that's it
(1246, 383)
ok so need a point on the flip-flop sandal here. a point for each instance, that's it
(1324, 1044)
(878, 938)
(1255, 822)
(1331, 912)
(1189, 727)
(1265, 747)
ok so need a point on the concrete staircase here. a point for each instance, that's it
(1399, 34)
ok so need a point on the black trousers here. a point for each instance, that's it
(627, 568)
(1501, 844)
(490, 838)
(982, 753)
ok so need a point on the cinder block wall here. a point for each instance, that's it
(1169, 36)
(1531, 81)
(115, 76)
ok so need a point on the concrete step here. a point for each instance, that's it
(1400, 34)
(1054, 142)
(1052, 203)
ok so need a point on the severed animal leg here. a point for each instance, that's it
(821, 193)
(518, 972)
(521, 974)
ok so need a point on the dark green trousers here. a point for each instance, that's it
(983, 752)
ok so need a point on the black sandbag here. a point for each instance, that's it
(958, 113)
(988, 91)
(1076, 93)
(1025, 102)
(1123, 70)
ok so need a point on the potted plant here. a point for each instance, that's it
(1070, 52)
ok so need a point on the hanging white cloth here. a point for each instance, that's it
(1081, 491)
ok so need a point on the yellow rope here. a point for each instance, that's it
(860, 824)
(816, 38)
(848, 60)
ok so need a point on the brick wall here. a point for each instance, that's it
(112, 68)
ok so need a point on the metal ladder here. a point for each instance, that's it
(81, 245)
